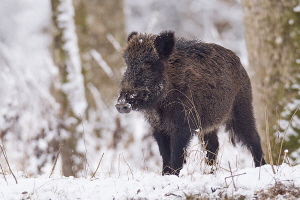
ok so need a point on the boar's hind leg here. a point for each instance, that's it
(244, 127)
(163, 141)
(211, 145)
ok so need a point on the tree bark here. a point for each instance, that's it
(70, 92)
(272, 30)
(100, 28)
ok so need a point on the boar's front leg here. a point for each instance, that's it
(163, 141)
(179, 142)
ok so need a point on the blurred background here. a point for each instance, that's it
(61, 63)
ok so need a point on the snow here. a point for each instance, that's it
(278, 40)
(149, 185)
(291, 21)
(114, 42)
(297, 8)
(101, 62)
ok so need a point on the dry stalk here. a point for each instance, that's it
(85, 153)
(144, 160)
(127, 165)
(231, 176)
(97, 166)
(268, 143)
(119, 173)
(284, 134)
(3, 174)
(55, 160)
(5, 157)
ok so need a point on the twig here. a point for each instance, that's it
(280, 150)
(3, 174)
(5, 156)
(55, 160)
(231, 175)
(224, 169)
(97, 166)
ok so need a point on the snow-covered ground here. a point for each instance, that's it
(233, 176)
(150, 185)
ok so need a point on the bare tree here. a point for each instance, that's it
(70, 92)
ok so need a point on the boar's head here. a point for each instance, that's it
(144, 81)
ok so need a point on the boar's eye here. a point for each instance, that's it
(132, 96)
(144, 94)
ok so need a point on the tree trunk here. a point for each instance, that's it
(100, 28)
(70, 92)
(272, 30)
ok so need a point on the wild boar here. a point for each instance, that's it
(183, 85)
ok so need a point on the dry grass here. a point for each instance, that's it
(221, 195)
(280, 191)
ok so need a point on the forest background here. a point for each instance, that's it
(61, 63)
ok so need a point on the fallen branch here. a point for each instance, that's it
(232, 176)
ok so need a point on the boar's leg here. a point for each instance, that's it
(211, 144)
(163, 141)
(179, 142)
(244, 127)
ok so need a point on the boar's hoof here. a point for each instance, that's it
(123, 107)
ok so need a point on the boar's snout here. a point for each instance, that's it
(123, 107)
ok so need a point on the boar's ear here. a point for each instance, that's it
(133, 33)
(164, 44)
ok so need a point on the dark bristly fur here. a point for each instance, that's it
(183, 85)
